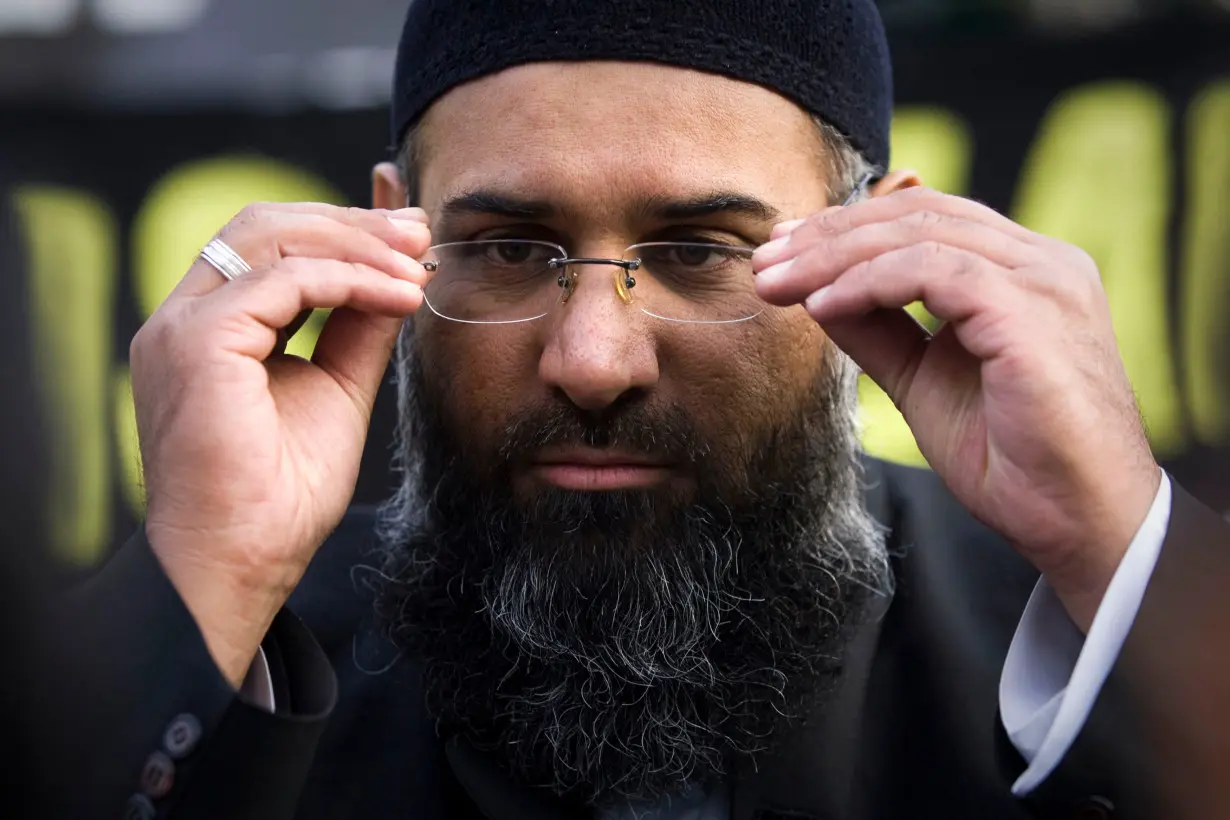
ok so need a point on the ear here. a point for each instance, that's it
(387, 190)
(896, 181)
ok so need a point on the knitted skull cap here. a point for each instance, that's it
(828, 56)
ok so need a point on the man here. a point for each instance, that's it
(636, 565)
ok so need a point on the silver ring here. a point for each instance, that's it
(224, 259)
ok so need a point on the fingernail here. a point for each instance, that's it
(814, 301)
(410, 214)
(410, 227)
(770, 253)
(415, 272)
(784, 228)
(770, 249)
(775, 274)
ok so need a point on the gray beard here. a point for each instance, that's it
(629, 645)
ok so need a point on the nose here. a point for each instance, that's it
(598, 348)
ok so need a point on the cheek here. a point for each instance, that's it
(745, 377)
(482, 376)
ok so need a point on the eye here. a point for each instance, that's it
(511, 252)
(692, 255)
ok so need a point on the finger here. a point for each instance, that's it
(783, 228)
(397, 227)
(252, 309)
(296, 324)
(829, 255)
(354, 348)
(264, 233)
(287, 333)
(953, 284)
(886, 345)
(883, 209)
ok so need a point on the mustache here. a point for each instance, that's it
(641, 428)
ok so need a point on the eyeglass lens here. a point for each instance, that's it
(510, 280)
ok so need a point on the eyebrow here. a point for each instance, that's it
(657, 207)
(710, 204)
(496, 204)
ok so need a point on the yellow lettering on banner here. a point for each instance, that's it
(1098, 176)
(72, 274)
(937, 143)
(188, 205)
(1206, 265)
(128, 452)
(180, 214)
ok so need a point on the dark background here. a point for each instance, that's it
(130, 130)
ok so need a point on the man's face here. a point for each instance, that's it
(609, 148)
(624, 546)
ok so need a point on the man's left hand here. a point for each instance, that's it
(1020, 401)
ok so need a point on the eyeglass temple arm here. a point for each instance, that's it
(859, 189)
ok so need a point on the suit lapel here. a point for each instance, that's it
(497, 795)
(813, 765)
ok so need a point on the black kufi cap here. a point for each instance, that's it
(829, 56)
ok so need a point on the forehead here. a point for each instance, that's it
(609, 127)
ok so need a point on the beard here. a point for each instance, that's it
(627, 645)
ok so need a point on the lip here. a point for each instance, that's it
(593, 470)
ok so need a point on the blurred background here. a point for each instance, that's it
(130, 130)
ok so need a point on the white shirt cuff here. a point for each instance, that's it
(257, 687)
(1053, 674)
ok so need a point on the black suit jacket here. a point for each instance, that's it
(915, 731)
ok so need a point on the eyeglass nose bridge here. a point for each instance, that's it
(624, 280)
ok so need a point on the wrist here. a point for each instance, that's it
(232, 608)
(1081, 572)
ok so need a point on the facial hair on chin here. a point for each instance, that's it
(626, 645)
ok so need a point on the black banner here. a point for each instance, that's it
(1118, 143)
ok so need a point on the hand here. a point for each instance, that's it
(251, 456)
(1020, 401)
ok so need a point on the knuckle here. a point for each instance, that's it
(288, 267)
(357, 216)
(918, 194)
(298, 266)
(1088, 295)
(926, 221)
(142, 340)
(833, 220)
(1072, 278)
(158, 338)
(967, 266)
(865, 270)
(251, 214)
(250, 219)
(929, 251)
(1083, 261)
(315, 221)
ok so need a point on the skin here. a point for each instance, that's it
(596, 352)
(250, 458)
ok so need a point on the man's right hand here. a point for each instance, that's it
(250, 457)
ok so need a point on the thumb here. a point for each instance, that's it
(354, 348)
